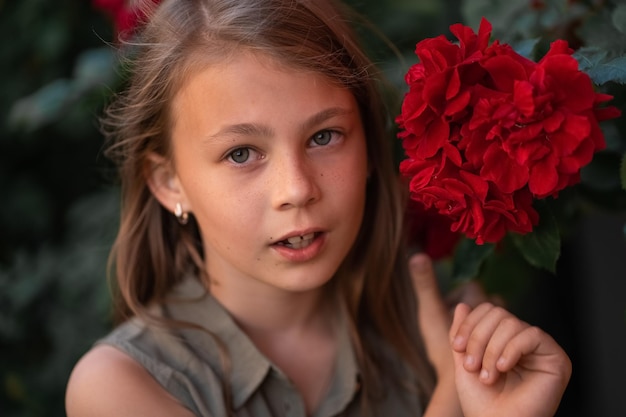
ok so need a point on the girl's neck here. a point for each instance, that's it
(296, 331)
(275, 312)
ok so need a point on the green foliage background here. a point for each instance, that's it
(59, 201)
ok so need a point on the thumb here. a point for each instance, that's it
(432, 314)
(430, 305)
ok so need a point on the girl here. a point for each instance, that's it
(259, 261)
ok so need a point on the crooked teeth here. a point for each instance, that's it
(298, 239)
(299, 242)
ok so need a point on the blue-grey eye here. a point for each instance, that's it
(240, 155)
(323, 137)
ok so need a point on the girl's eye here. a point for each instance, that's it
(323, 137)
(239, 155)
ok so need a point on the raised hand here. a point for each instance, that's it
(504, 366)
(498, 364)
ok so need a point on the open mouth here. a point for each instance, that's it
(299, 242)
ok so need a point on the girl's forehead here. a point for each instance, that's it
(200, 61)
(231, 61)
(252, 86)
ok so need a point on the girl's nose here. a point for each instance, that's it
(294, 183)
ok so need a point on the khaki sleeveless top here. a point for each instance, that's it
(192, 365)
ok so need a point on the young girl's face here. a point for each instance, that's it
(272, 163)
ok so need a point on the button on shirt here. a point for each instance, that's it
(191, 363)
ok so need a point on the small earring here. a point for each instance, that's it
(181, 216)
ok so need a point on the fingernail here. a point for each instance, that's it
(484, 374)
(501, 362)
(458, 341)
(469, 360)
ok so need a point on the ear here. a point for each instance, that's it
(163, 182)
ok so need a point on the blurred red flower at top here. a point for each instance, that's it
(486, 130)
(124, 14)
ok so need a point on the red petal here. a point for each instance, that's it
(606, 113)
(458, 104)
(523, 97)
(454, 85)
(504, 70)
(558, 47)
(543, 178)
(499, 168)
(434, 138)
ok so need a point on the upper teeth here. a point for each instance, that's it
(298, 239)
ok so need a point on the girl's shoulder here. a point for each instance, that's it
(169, 354)
(108, 382)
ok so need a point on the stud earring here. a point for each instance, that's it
(181, 216)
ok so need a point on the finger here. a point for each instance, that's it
(431, 308)
(433, 319)
(481, 334)
(525, 343)
(532, 350)
(507, 329)
(461, 336)
(460, 314)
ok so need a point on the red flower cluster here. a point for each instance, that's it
(486, 131)
(125, 16)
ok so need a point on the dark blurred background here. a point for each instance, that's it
(59, 197)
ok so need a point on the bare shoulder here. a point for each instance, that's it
(107, 382)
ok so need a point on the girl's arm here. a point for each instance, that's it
(108, 383)
(434, 322)
(444, 401)
(500, 365)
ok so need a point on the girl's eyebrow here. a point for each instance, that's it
(261, 130)
(324, 115)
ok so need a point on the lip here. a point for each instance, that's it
(301, 254)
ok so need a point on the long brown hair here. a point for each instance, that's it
(152, 251)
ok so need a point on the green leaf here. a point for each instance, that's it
(602, 69)
(589, 57)
(468, 258)
(526, 47)
(613, 70)
(506, 272)
(542, 247)
(622, 172)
